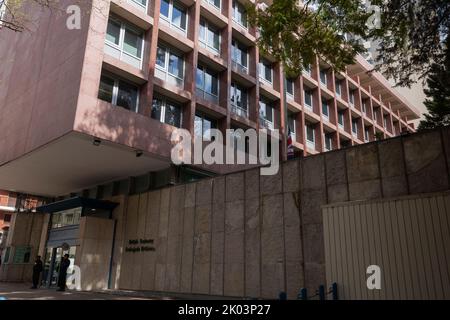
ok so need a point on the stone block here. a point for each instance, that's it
(362, 163)
(272, 280)
(234, 216)
(313, 172)
(425, 163)
(272, 242)
(365, 190)
(336, 167)
(314, 276)
(394, 186)
(291, 176)
(219, 190)
(337, 193)
(203, 219)
(252, 184)
(204, 192)
(311, 202)
(201, 278)
(234, 279)
(271, 184)
(252, 279)
(189, 196)
(235, 187)
(217, 279)
(314, 243)
(391, 158)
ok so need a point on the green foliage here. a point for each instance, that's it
(296, 35)
(412, 37)
(438, 95)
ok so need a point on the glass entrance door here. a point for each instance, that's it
(52, 262)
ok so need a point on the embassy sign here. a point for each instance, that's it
(140, 245)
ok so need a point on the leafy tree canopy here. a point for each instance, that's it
(409, 33)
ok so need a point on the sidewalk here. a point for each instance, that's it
(21, 291)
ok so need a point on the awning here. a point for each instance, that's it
(77, 202)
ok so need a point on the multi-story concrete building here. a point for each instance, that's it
(137, 69)
(90, 112)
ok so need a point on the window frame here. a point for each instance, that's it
(204, 42)
(211, 2)
(139, 5)
(311, 144)
(168, 51)
(204, 118)
(123, 26)
(269, 124)
(355, 132)
(289, 94)
(327, 138)
(325, 73)
(236, 45)
(209, 71)
(234, 7)
(115, 92)
(169, 19)
(309, 92)
(325, 104)
(341, 125)
(164, 103)
(235, 107)
(263, 65)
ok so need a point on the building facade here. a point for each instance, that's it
(88, 115)
(137, 69)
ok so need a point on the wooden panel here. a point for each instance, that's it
(407, 237)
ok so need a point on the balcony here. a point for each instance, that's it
(168, 77)
(239, 111)
(207, 96)
(239, 67)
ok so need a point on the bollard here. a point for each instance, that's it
(282, 296)
(303, 294)
(322, 292)
(334, 291)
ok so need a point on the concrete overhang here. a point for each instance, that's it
(381, 87)
(73, 163)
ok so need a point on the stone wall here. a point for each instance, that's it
(246, 235)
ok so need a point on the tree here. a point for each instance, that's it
(296, 34)
(410, 35)
(438, 95)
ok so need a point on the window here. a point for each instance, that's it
(385, 120)
(124, 42)
(310, 137)
(265, 70)
(341, 121)
(239, 13)
(352, 98)
(66, 218)
(141, 4)
(266, 114)
(308, 99)
(215, 3)
(364, 107)
(323, 76)
(209, 36)
(202, 125)
(169, 65)
(22, 255)
(367, 135)
(338, 87)
(291, 125)
(239, 100)
(355, 126)
(166, 111)
(328, 142)
(118, 92)
(375, 115)
(239, 56)
(307, 70)
(325, 109)
(7, 218)
(174, 14)
(290, 88)
(207, 84)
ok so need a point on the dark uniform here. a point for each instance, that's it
(65, 263)
(37, 269)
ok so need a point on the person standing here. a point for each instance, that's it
(65, 263)
(37, 269)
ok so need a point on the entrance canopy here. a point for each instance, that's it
(88, 205)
